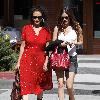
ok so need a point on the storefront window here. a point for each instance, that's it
(1, 10)
(96, 18)
(22, 8)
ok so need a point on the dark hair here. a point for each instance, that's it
(44, 20)
(72, 22)
(70, 16)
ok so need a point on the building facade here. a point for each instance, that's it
(87, 12)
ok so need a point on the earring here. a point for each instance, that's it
(43, 20)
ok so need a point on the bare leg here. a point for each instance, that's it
(69, 84)
(60, 78)
(40, 96)
(25, 97)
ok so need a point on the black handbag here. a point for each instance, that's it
(15, 93)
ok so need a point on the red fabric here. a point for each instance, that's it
(60, 61)
(33, 79)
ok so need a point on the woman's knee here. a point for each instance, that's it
(69, 87)
(25, 97)
(60, 85)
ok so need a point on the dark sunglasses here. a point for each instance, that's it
(65, 17)
(39, 17)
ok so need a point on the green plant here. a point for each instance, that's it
(8, 56)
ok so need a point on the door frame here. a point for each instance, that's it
(87, 26)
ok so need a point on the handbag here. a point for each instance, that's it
(60, 60)
(15, 93)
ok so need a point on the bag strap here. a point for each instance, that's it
(17, 75)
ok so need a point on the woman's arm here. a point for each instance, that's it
(79, 35)
(55, 33)
(46, 59)
(20, 54)
(77, 42)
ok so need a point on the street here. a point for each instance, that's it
(87, 81)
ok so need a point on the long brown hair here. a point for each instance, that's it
(72, 22)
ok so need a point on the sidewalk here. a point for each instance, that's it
(7, 75)
(87, 81)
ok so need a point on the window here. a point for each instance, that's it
(22, 8)
(96, 18)
(1, 8)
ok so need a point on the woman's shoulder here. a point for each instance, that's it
(45, 28)
(26, 26)
(55, 29)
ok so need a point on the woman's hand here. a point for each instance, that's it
(64, 44)
(45, 68)
(17, 66)
(70, 44)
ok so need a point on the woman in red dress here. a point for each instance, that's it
(34, 75)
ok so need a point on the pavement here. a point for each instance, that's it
(86, 85)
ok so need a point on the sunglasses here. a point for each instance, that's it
(39, 17)
(65, 17)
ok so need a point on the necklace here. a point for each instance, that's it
(66, 30)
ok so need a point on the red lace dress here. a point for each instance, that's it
(33, 79)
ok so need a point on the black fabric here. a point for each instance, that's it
(73, 58)
(53, 44)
